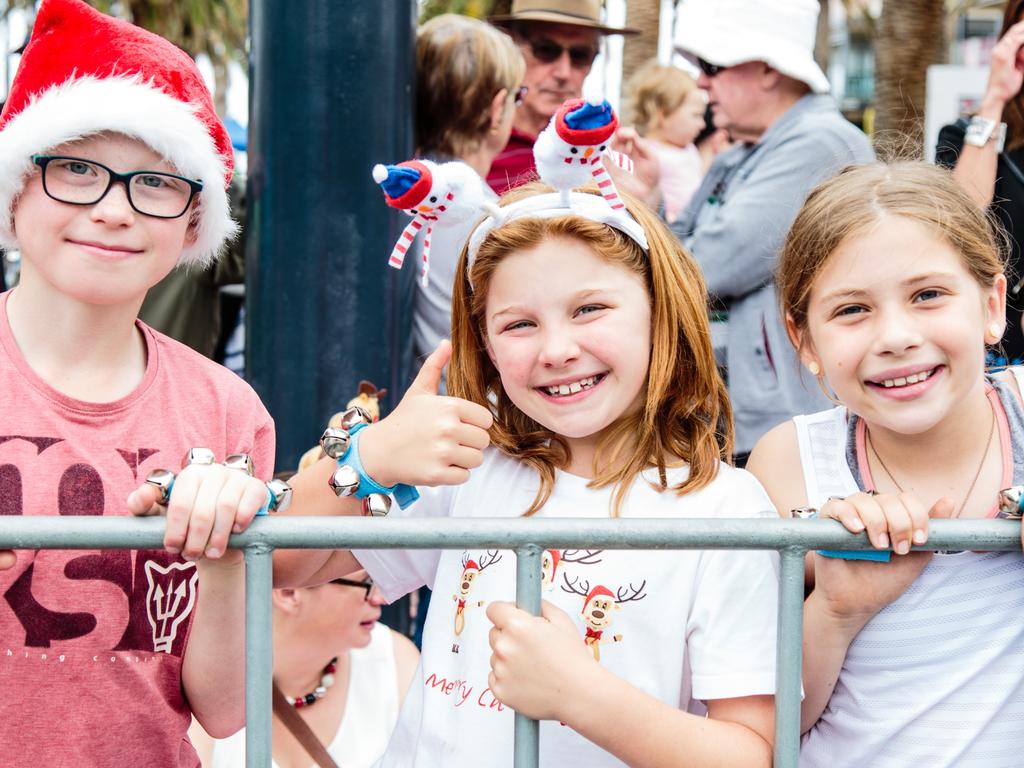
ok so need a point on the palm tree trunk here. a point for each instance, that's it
(911, 36)
(639, 49)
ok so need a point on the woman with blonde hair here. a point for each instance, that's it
(468, 83)
(668, 109)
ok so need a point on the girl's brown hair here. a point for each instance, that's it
(686, 413)
(857, 200)
(461, 63)
(656, 89)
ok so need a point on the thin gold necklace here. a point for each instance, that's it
(977, 472)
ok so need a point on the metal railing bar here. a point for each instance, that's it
(526, 735)
(500, 533)
(789, 658)
(792, 538)
(259, 660)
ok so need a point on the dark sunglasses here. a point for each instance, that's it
(709, 69)
(367, 585)
(547, 51)
(520, 94)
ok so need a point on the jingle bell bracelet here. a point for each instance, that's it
(279, 493)
(341, 443)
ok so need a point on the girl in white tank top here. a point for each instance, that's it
(892, 285)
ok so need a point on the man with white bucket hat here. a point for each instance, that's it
(764, 87)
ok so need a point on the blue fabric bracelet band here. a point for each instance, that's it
(404, 494)
(877, 555)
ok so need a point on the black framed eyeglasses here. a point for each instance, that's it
(366, 584)
(77, 181)
(520, 94)
(547, 51)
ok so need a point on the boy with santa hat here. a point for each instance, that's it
(113, 169)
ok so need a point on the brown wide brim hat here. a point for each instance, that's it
(575, 13)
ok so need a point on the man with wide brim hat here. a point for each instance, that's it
(559, 40)
(757, 64)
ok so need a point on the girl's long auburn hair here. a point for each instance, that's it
(686, 413)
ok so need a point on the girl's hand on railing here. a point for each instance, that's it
(208, 503)
(428, 439)
(853, 591)
(896, 520)
(540, 664)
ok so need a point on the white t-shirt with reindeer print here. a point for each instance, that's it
(684, 626)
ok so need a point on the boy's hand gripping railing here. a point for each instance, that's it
(792, 538)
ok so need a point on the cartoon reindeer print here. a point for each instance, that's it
(470, 570)
(598, 604)
(552, 559)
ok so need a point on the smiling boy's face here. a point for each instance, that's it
(105, 253)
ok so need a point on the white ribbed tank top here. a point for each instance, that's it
(936, 678)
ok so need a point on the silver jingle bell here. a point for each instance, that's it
(377, 505)
(344, 481)
(198, 456)
(282, 495)
(1010, 501)
(162, 480)
(241, 462)
(354, 415)
(334, 442)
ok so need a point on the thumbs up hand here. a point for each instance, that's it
(428, 439)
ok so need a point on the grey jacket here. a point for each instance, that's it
(735, 227)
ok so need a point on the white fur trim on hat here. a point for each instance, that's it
(780, 33)
(83, 107)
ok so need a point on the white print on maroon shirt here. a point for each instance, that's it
(598, 604)
(552, 559)
(170, 597)
(470, 570)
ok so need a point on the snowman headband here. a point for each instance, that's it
(569, 153)
(554, 205)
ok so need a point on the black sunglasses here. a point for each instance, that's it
(367, 585)
(709, 69)
(546, 51)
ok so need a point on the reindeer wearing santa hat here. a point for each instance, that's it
(470, 570)
(553, 558)
(598, 604)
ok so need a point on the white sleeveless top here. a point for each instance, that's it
(371, 710)
(936, 678)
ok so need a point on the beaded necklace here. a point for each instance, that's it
(326, 681)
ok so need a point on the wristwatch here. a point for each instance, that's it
(980, 131)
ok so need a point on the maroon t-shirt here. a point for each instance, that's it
(514, 166)
(92, 641)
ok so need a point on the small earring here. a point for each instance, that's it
(814, 368)
(994, 331)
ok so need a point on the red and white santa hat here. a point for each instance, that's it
(470, 566)
(84, 73)
(595, 593)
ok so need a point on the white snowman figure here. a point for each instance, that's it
(570, 152)
(433, 194)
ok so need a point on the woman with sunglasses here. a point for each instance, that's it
(340, 670)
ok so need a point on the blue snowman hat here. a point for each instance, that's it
(405, 185)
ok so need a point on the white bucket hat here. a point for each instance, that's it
(780, 33)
